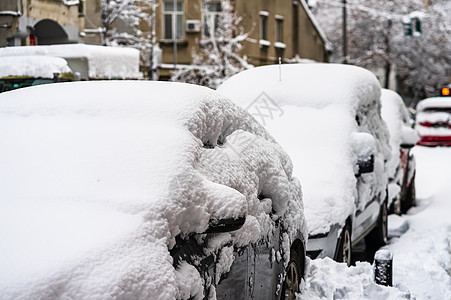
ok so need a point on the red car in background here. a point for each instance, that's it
(433, 121)
(401, 166)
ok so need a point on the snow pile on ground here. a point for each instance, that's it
(327, 279)
(98, 178)
(311, 110)
(422, 256)
(33, 66)
(101, 62)
(397, 225)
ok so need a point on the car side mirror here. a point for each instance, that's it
(225, 225)
(365, 166)
(364, 146)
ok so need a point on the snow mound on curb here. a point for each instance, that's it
(327, 279)
(397, 226)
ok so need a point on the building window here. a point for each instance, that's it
(279, 29)
(212, 12)
(173, 15)
(264, 25)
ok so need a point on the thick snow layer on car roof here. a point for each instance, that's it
(433, 102)
(305, 85)
(98, 178)
(33, 66)
(103, 62)
(310, 110)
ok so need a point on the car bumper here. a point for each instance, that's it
(324, 245)
(431, 140)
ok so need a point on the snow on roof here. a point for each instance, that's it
(433, 102)
(103, 62)
(33, 66)
(310, 109)
(99, 177)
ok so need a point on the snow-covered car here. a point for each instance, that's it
(401, 166)
(23, 71)
(143, 190)
(433, 121)
(327, 117)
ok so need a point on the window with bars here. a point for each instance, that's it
(173, 16)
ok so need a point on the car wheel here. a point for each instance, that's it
(378, 237)
(293, 277)
(343, 253)
(410, 199)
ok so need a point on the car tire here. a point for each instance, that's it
(410, 199)
(378, 237)
(292, 277)
(344, 248)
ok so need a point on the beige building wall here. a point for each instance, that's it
(301, 36)
(20, 20)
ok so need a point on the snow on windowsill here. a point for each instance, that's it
(280, 45)
(263, 13)
(10, 13)
(264, 43)
(71, 2)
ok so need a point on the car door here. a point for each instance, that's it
(367, 202)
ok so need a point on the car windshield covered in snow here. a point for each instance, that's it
(106, 187)
(328, 119)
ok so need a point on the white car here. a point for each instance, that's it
(143, 190)
(328, 119)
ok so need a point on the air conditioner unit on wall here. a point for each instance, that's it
(192, 25)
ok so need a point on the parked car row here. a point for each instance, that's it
(157, 190)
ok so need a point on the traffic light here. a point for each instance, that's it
(407, 27)
(411, 25)
(445, 91)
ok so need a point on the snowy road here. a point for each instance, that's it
(422, 255)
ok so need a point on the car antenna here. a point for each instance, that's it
(280, 69)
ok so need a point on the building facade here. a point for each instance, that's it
(278, 28)
(41, 22)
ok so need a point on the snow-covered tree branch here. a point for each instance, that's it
(219, 54)
(376, 40)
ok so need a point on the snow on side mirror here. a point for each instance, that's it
(409, 137)
(364, 147)
(225, 225)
